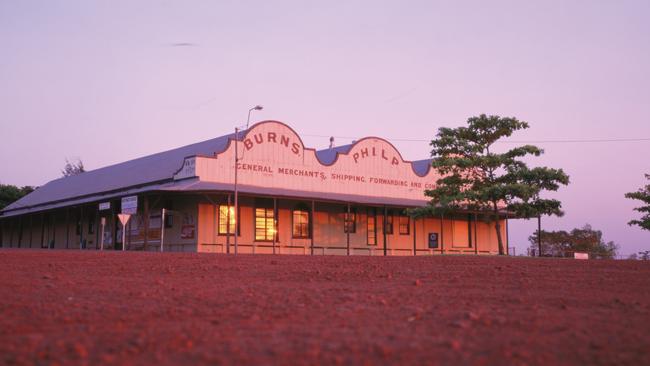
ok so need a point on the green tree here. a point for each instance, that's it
(10, 193)
(74, 168)
(642, 195)
(475, 177)
(564, 244)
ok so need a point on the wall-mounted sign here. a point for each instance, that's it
(188, 170)
(433, 240)
(130, 205)
(104, 206)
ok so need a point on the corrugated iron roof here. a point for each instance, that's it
(137, 172)
(155, 173)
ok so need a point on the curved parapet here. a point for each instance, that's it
(272, 155)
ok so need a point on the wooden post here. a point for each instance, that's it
(442, 232)
(311, 227)
(67, 227)
(347, 229)
(146, 223)
(128, 237)
(475, 234)
(508, 238)
(31, 230)
(275, 223)
(11, 235)
(81, 227)
(228, 226)
(215, 224)
(42, 229)
(414, 235)
(162, 230)
(114, 227)
(385, 220)
(54, 230)
(20, 233)
(98, 222)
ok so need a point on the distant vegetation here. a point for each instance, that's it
(564, 244)
(10, 194)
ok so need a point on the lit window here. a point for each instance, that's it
(300, 223)
(227, 215)
(388, 228)
(372, 227)
(404, 225)
(264, 224)
(350, 221)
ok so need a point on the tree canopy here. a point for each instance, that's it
(72, 168)
(642, 195)
(10, 193)
(474, 177)
(564, 244)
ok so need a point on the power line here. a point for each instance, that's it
(506, 142)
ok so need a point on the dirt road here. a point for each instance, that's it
(75, 307)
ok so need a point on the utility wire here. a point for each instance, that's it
(507, 142)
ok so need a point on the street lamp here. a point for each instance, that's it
(256, 108)
(248, 120)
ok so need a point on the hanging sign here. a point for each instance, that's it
(104, 206)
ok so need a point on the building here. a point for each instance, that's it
(291, 200)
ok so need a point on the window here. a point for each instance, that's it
(404, 225)
(388, 228)
(301, 222)
(264, 224)
(372, 226)
(227, 220)
(350, 221)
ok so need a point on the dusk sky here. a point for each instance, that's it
(108, 81)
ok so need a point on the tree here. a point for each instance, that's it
(10, 193)
(73, 168)
(642, 195)
(564, 244)
(474, 177)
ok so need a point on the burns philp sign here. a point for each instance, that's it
(272, 137)
(272, 155)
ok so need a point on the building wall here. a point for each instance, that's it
(58, 229)
(329, 236)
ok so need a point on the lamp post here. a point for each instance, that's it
(248, 120)
(256, 108)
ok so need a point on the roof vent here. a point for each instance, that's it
(331, 142)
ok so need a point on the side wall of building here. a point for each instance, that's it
(80, 227)
(458, 235)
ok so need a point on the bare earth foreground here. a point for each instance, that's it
(63, 307)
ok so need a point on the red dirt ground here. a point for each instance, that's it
(74, 307)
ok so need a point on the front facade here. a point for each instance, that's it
(348, 200)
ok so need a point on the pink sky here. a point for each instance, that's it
(103, 81)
